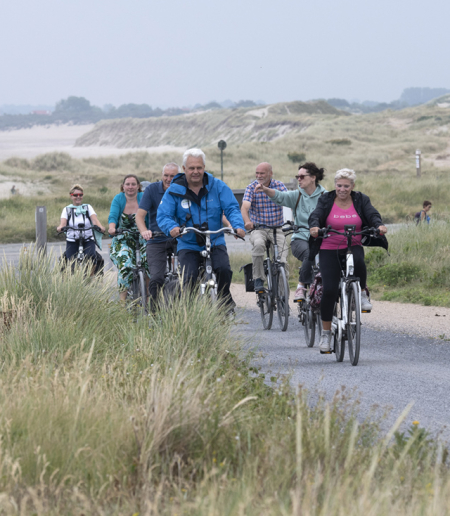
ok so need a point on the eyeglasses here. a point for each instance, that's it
(76, 195)
(302, 176)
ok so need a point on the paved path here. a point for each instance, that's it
(393, 369)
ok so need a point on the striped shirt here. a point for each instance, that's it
(263, 210)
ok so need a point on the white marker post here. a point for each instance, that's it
(418, 171)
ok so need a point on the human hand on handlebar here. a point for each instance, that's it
(249, 226)
(383, 230)
(175, 232)
(146, 235)
(314, 232)
(240, 232)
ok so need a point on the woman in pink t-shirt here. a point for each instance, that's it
(336, 209)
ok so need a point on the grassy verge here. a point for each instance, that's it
(101, 415)
(418, 267)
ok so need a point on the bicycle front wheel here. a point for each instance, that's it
(354, 323)
(142, 292)
(266, 309)
(282, 299)
(308, 324)
(339, 343)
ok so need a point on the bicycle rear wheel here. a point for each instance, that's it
(266, 309)
(309, 328)
(339, 343)
(282, 294)
(354, 323)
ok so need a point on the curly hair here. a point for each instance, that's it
(346, 173)
(314, 170)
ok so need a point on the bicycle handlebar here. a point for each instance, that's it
(346, 233)
(292, 227)
(186, 230)
(66, 228)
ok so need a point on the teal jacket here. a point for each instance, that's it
(305, 207)
(118, 205)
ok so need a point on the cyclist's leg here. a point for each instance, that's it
(300, 249)
(283, 248)
(222, 270)
(122, 255)
(330, 267)
(258, 239)
(156, 259)
(71, 249)
(361, 273)
(189, 262)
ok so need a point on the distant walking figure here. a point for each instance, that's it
(13, 189)
(422, 215)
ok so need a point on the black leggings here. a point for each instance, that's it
(331, 263)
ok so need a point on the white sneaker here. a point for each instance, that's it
(300, 294)
(366, 305)
(325, 341)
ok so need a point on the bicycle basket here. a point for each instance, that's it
(248, 276)
(315, 292)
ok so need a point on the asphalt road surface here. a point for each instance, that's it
(393, 370)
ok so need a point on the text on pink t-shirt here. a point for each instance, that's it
(337, 219)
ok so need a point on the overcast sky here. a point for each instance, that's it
(177, 53)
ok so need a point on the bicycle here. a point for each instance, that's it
(308, 317)
(98, 264)
(172, 266)
(208, 280)
(276, 296)
(346, 321)
(138, 289)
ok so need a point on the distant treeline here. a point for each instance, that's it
(409, 97)
(78, 110)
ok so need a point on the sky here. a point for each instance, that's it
(171, 53)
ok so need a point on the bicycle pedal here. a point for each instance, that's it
(326, 352)
(299, 300)
(366, 311)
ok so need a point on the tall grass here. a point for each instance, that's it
(102, 415)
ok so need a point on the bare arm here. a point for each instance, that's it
(244, 211)
(63, 224)
(95, 220)
(140, 223)
(270, 192)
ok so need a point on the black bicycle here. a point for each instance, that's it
(80, 258)
(276, 296)
(308, 316)
(138, 288)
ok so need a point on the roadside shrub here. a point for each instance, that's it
(398, 274)
(53, 161)
(297, 157)
(340, 141)
(24, 164)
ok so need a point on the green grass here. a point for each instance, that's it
(101, 415)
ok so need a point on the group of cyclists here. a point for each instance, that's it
(193, 197)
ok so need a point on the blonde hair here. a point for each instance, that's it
(76, 187)
(345, 173)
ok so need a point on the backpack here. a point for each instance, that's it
(417, 217)
(315, 292)
(71, 213)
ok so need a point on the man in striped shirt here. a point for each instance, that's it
(257, 208)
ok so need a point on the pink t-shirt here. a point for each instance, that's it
(337, 219)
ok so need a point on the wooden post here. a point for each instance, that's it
(41, 228)
(418, 171)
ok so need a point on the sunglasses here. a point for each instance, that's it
(302, 176)
(76, 195)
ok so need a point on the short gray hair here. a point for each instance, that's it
(345, 173)
(172, 164)
(195, 153)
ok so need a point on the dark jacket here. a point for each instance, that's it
(369, 215)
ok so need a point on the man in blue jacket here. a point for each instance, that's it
(198, 198)
(159, 247)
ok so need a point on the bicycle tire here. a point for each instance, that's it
(282, 294)
(307, 323)
(135, 287)
(142, 292)
(354, 323)
(266, 310)
(339, 344)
